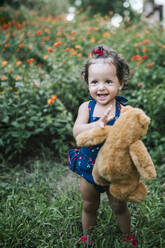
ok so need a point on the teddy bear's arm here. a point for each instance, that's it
(92, 136)
(142, 160)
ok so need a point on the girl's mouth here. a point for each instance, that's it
(102, 95)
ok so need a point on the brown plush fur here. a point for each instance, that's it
(123, 158)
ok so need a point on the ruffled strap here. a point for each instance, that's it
(91, 107)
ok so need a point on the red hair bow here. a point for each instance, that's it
(99, 52)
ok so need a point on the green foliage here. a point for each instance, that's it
(106, 7)
(54, 7)
(44, 56)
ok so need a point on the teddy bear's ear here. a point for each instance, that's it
(124, 109)
(144, 119)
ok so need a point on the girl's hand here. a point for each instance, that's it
(106, 117)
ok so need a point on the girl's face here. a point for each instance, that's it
(103, 82)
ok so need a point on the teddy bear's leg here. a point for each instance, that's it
(93, 136)
(139, 194)
(97, 178)
(122, 190)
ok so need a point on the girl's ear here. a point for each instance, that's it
(121, 86)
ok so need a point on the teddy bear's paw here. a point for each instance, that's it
(99, 180)
(139, 194)
(149, 173)
(81, 140)
(120, 192)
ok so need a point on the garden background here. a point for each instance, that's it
(42, 55)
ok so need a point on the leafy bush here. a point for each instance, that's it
(44, 56)
(26, 117)
(54, 7)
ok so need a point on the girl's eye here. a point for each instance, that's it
(94, 82)
(108, 81)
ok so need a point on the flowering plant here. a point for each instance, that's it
(130, 241)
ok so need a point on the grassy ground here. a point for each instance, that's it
(41, 207)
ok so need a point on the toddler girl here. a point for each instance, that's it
(105, 73)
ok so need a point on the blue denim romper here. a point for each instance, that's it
(82, 160)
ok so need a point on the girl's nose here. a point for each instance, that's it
(101, 86)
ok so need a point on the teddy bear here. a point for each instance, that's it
(123, 157)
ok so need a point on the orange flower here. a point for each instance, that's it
(92, 40)
(79, 55)
(136, 57)
(145, 42)
(7, 45)
(29, 61)
(144, 57)
(144, 49)
(50, 101)
(57, 44)
(39, 32)
(47, 30)
(67, 49)
(19, 63)
(50, 50)
(54, 98)
(62, 28)
(163, 46)
(150, 65)
(30, 47)
(21, 45)
(5, 26)
(106, 34)
(14, 34)
(18, 78)
(37, 84)
(73, 32)
(59, 33)
(78, 47)
(42, 72)
(3, 77)
(46, 57)
(73, 52)
(45, 38)
(139, 84)
(4, 63)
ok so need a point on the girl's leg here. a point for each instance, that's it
(91, 201)
(122, 213)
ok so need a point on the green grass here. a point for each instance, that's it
(41, 207)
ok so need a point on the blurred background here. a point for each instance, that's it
(153, 10)
(43, 47)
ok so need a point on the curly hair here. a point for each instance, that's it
(102, 53)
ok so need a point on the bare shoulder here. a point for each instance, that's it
(83, 113)
(84, 106)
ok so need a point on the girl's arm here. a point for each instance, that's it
(81, 123)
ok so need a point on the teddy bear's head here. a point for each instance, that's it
(132, 125)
